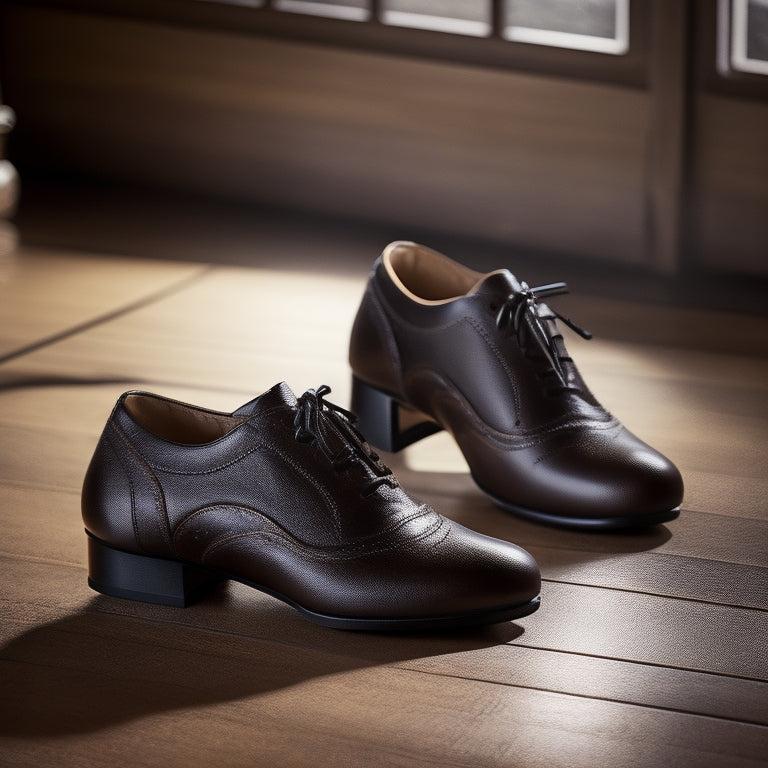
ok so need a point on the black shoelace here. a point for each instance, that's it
(315, 416)
(519, 312)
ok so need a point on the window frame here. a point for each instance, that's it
(629, 69)
(713, 70)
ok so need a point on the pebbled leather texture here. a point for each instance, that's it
(282, 495)
(534, 436)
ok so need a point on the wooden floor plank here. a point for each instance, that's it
(44, 292)
(234, 329)
(109, 679)
(660, 573)
(337, 720)
(607, 679)
(651, 629)
(95, 670)
(649, 648)
(593, 621)
(187, 229)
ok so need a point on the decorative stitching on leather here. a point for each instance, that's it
(480, 331)
(390, 340)
(445, 535)
(352, 549)
(329, 502)
(497, 353)
(157, 492)
(134, 522)
(512, 441)
(217, 468)
(329, 553)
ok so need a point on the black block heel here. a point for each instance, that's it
(386, 423)
(148, 579)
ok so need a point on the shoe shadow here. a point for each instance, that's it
(117, 661)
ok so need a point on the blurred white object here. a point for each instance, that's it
(9, 179)
(9, 189)
(9, 197)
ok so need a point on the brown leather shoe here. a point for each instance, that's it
(436, 345)
(284, 496)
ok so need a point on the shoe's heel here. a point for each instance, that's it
(384, 422)
(149, 579)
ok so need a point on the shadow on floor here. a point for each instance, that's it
(99, 668)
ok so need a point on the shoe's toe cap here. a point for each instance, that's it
(610, 476)
(477, 572)
(455, 573)
(591, 477)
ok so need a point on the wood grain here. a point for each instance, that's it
(648, 650)
(42, 296)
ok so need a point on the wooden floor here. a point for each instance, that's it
(648, 650)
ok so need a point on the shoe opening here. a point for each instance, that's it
(425, 275)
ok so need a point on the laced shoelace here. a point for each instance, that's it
(315, 415)
(519, 312)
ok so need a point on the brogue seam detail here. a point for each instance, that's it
(499, 357)
(527, 441)
(327, 553)
(448, 529)
(210, 471)
(160, 507)
(377, 303)
(331, 506)
(134, 522)
(422, 511)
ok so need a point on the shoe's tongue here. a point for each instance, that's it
(499, 283)
(280, 394)
(502, 284)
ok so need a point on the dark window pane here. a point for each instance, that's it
(749, 36)
(592, 25)
(352, 10)
(463, 17)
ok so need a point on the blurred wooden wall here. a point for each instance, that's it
(579, 167)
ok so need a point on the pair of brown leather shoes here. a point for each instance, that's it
(285, 494)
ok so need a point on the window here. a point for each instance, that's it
(749, 36)
(588, 25)
(601, 26)
(351, 10)
(464, 18)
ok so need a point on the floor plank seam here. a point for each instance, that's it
(642, 663)
(42, 380)
(656, 594)
(106, 317)
(8, 482)
(43, 560)
(618, 553)
(265, 639)
(91, 609)
(486, 681)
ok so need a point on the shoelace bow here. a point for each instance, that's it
(315, 415)
(519, 312)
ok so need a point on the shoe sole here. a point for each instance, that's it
(597, 524)
(390, 425)
(161, 581)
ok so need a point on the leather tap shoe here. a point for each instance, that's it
(285, 496)
(436, 345)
